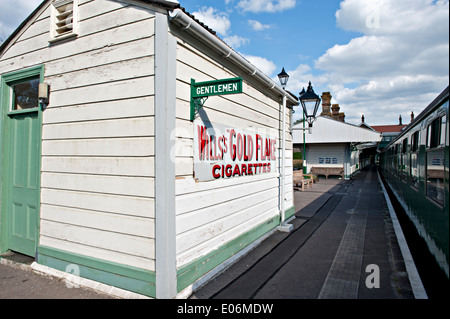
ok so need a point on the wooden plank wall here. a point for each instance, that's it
(97, 196)
(210, 214)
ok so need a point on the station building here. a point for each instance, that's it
(334, 146)
(111, 160)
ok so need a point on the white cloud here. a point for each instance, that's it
(236, 41)
(214, 19)
(12, 13)
(265, 5)
(266, 66)
(397, 65)
(258, 26)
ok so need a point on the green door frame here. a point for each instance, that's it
(5, 81)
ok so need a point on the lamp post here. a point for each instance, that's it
(283, 77)
(310, 103)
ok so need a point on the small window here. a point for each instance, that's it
(321, 160)
(64, 19)
(334, 160)
(327, 160)
(25, 95)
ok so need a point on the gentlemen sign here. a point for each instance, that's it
(224, 152)
(219, 87)
(200, 91)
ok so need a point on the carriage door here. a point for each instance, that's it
(21, 163)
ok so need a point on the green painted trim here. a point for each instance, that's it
(189, 273)
(118, 275)
(289, 212)
(5, 81)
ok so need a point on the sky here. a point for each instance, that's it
(380, 58)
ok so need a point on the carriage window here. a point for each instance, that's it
(443, 125)
(414, 171)
(435, 175)
(415, 142)
(414, 164)
(433, 133)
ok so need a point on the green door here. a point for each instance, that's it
(24, 190)
(21, 165)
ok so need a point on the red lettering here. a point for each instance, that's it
(201, 141)
(248, 148)
(236, 170)
(225, 148)
(244, 169)
(228, 170)
(232, 146)
(258, 138)
(239, 146)
(274, 142)
(219, 144)
(249, 169)
(215, 168)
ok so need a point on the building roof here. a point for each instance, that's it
(388, 128)
(328, 130)
(189, 23)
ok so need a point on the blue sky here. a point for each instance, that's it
(380, 58)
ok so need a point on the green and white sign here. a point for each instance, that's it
(200, 91)
(219, 87)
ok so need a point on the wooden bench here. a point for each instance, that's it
(327, 171)
(299, 179)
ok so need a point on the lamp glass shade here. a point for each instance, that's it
(283, 77)
(310, 103)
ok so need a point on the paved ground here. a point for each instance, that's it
(341, 228)
(17, 281)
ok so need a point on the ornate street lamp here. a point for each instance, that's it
(283, 77)
(310, 103)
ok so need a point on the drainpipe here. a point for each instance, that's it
(188, 25)
(283, 226)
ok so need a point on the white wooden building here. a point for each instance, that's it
(110, 163)
(335, 144)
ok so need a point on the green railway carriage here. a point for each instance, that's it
(416, 167)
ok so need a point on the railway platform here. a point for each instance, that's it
(343, 246)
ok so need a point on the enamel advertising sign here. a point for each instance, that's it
(222, 152)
